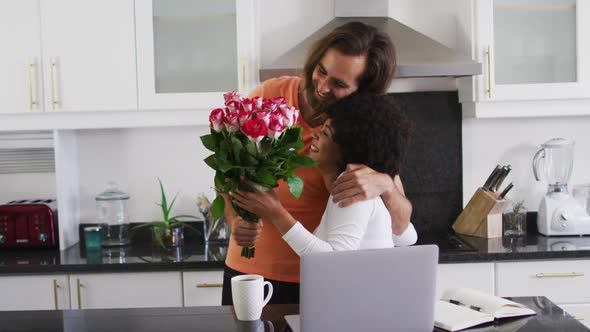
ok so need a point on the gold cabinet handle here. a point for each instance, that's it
(30, 72)
(489, 58)
(206, 285)
(243, 63)
(55, 287)
(52, 74)
(559, 275)
(78, 286)
(578, 318)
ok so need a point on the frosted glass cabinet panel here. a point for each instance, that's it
(195, 46)
(190, 52)
(535, 41)
(532, 49)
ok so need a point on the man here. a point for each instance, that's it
(353, 57)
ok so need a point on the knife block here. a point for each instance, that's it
(482, 217)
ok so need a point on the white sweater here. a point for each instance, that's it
(363, 225)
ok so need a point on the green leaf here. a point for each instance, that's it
(163, 203)
(180, 223)
(210, 161)
(251, 147)
(266, 177)
(217, 207)
(209, 142)
(295, 185)
(292, 135)
(302, 161)
(265, 146)
(170, 207)
(222, 164)
(249, 160)
(236, 146)
(220, 182)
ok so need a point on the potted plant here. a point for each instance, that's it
(514, 222)
(168, 231)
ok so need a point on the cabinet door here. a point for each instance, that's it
(478, 276)
(533, 49)
(126, 290)
(580, 312)
(190, 52)
(89, 55)
(560, 281)
(42, 292)
(21, 56)
(202, 288)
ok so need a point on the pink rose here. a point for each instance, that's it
(255, 129)
(216, 119)
(247, 105)
(244, 116)
(279, 101)
(258, 102)
(233, 106)
(275, 127)
(232, 96)
(291, 114)
(269, 106)
(264, 115)
(231, 122)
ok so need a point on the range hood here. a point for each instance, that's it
(417, 54)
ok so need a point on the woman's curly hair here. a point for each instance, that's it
(370, 129)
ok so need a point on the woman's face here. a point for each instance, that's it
(323, 148)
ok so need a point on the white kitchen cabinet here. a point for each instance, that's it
(561, 281)
(529, 64)
(202, 288)
(67, 55)
(37, 292)
(478, 276)
(190, 53)
(126, 290)
(580, 312)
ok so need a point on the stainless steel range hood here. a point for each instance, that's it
(417, 54)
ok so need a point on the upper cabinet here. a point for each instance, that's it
(67, 55)
(531, 50)
(191, 52)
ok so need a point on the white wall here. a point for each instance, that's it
(26, 186)
(134, 159)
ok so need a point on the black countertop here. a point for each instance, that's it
(196, 255)
(549, 318)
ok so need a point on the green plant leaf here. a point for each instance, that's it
(249, 160)
(236, 146)
(209, 142)
(222, 164)
(220, 182)
(302, 161)
(266, 176)
(265, 146)
(163, 204)
(251, 147)
(295, 185)
(180, 223)
(211, 162)
(166, 219)
(217, 207)
(291, 135)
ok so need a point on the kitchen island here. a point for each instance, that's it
(549, 318)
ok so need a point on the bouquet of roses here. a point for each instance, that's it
(255, 144)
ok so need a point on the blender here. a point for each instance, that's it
(559, 213)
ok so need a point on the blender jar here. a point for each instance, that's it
(111, 206)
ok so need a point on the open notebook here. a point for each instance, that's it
(461, 308)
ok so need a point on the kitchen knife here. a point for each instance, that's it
(491, 177)
(505, 191)
(505, 170)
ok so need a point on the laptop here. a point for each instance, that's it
(389, 289)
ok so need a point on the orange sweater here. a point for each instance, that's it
(274, 259)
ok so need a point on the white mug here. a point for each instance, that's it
(248, 296)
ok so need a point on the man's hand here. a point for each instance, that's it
(359, 183)
(245, 233)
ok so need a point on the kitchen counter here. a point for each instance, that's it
(549, 318)
(196, 255)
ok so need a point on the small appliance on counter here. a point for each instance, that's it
(29, 223)
(559, 213)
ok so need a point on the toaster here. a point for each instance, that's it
(29, 223)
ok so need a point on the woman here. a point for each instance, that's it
(361, 129)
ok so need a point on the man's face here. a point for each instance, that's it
(334, 77)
